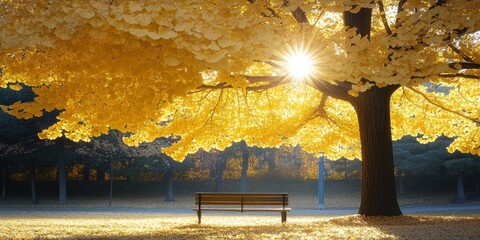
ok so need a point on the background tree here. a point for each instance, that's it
(462, 167)
(190, 72)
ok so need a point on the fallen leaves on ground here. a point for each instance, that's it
(232, 226)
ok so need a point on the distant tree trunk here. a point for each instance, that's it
(100, 175)
(378, 194)
(297, 156)
(477, 184)
(345, 164)
(85, 177)
(33, 181)
(400, 185)
(62, 180)
(270, 158)
(110, 195)
(4, 179)
(169, 176)
(243, 178)
(460, 190)
(128, 187)
(219, 174)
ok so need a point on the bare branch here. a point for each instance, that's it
(213, 110)
(381, 7)
(461, 54)
(477, 121)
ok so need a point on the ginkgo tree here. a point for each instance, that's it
(342, 77)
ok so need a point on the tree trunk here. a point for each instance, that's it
(169, 176)
(477, 184)
(85, 177)
(62, 180)
(33, 181)
(460, 189)
(345, 165)
(378, 197)
(110, 195)
(243, 178)
(100, 175)
(4, 179)
(401, 189)
(270, 158)
(219, 174)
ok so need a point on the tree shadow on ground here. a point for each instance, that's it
(417, 227)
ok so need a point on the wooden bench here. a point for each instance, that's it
(241, 202)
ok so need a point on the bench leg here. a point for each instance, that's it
(199, 214)
(284, 216)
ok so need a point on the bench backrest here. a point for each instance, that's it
(252, 198)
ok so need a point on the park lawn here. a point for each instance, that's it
(89, 225)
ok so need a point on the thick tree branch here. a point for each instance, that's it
(453, 75)
(381, 7)
(475, 120)
(464, 65)
(339, 91)
(399, 10)
(270, 82)
(300, 15)
(437, 4)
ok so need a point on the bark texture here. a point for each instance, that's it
(378, 195)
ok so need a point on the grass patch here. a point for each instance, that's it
(86, 225)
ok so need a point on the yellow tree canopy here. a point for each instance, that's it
(213, 72)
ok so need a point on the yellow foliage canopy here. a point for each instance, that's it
(213, 72)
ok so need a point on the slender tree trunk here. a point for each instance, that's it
(460, 189)
(243, 178)
(378, 197)
(169, 176)
(4, 179)
(345, 165)
(297, 156)
(100, 175)
(477, 184)
(270, 158)
(33, 181)
(62, 180)
(85, 177)
(219, 174)
(401, 185)
(110, 195)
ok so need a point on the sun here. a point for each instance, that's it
(299, 64)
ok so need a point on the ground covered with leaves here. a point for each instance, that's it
(94, 225)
